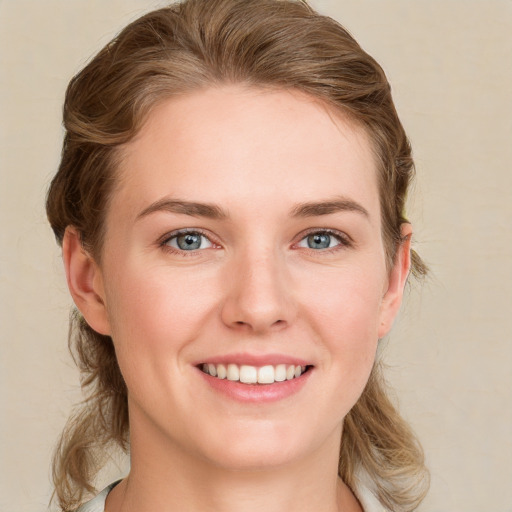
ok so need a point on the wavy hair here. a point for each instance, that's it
(283, 44)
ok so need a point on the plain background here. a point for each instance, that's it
(449, 356)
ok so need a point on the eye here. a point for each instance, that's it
(322, 240)
(188, 241)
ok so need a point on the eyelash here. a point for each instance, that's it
(164, 241)
(344, 241)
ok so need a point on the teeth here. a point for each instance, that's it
(280, 372)
(266, 375)
(248, 374)
(251, 374)
(233, 373)
(221, 371)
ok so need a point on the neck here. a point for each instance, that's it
(166, 478)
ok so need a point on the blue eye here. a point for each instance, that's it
(188, 241)
(320, 240)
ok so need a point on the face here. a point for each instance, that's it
(243, 242)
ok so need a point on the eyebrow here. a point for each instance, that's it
(212, 211)
(340, 204)
(193, 209)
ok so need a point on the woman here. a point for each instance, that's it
(230, 205)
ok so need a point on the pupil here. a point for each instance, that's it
(189, 241)
(319, 241)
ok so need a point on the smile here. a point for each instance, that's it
(246, 374)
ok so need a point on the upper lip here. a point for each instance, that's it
(255, 360)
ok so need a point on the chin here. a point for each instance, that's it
(259, 447)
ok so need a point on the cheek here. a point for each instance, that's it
(155, 316)
(345, 316)
(154, 311)
(345, 302)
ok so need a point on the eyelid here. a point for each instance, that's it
(344, 239)
(163, 240)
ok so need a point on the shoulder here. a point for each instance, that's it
(97, 504)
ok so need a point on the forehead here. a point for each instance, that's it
(254, 144)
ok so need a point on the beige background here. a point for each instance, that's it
(450, 356)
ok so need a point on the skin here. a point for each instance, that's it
(256, 287)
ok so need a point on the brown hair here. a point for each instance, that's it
(188, 46)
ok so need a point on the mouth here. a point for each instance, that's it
(259, 375)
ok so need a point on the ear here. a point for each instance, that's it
(392, 298)
(85, 282)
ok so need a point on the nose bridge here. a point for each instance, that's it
(259, 292)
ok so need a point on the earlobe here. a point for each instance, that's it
(396, 283)
(85, 282)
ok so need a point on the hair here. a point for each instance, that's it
(188, 46)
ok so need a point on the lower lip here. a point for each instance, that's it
(257, 393)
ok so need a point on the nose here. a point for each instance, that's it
(259, 294)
